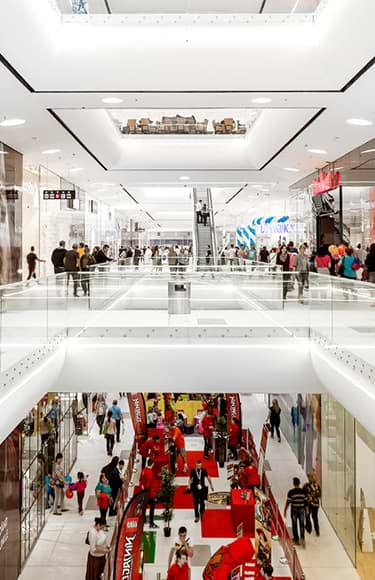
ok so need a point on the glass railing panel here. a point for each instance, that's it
(23, 321)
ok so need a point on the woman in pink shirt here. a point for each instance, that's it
(323, 261)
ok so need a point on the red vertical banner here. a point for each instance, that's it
(137, 408)
(233, 408)
(128, 556)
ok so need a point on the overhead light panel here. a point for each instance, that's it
(76, 169)
(112, 100)
(318, 151)
(359, 122)
(184, 178)
(293, 169)
(12, 122)
(261, 100)
(51, 151)
(367, 151)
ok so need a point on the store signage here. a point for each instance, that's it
(129, 539)
(137, 410)
(11, 195)
(277, 228)
(59, 194)
(326, 182)
(233, 408)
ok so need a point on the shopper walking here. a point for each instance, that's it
(100, 410)
(148, 481)
(109, 430)
(80, 487)
(347, 268)
(274, 419)
(198, 482)
(323, 261)
(71, 264)
(103, 495)
(297, 501)
(58, 483)
(313, 494)
(205, 214)
(178, 439)
(284, 260)
(57, 258)
(31, 260)
(370, 264)
(86, 262)
(117, 416)
(97, 540)
(302, 269)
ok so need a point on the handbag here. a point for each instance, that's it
(105, 428)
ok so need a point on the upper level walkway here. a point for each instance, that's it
(218, 327)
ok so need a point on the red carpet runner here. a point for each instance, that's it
(218, 524)
(192, 456)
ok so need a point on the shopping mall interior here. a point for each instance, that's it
(187, 299)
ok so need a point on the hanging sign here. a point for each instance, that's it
(129, 539)
(233, 408)
(137, 410)
(326, 182)
(59, 194)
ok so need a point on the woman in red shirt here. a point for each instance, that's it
(208, 424)
(180, 569)
(179, 443)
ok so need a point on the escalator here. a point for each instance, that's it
(204, 236)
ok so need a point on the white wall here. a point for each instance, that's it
(365, 472)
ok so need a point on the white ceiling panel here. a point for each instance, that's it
(182, 6)
(288, 6)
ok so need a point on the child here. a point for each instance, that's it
(80, 486)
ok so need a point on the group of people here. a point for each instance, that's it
(76, 263)
(304, 505)
(157, 258)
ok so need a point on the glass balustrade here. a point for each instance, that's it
(186, 301)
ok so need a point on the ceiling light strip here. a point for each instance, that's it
(76, 138)
(129, 194)
(262, 7)
(106, 2)
(16, 74)
(235, 194)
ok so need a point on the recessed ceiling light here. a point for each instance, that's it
(112, 100)
(184, 178)
(359, 122)
(50, 151)
(367, 151)
(12, 122)
(75, 169)
(291, 169)
(318, 151)
(3, 152)
(261, 100)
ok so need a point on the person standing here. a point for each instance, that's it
(283, 259)
(180, 569)
(103, 494)
(149, 449)
(114, 479)
(313, 495)
(208, 424)
(182, 544)
(97, 540)
(100, 410)
(57, 258)
(323, 261)
(178, 439)
(117, 416)
(58, 482)
(198, 211)
(234, 438)
(85, 263)
(198, 483)
(101, 256)
(71, 264)
(148, 481)
(274, 418)
(172, 260)
(302, 269)
(264, 255)
(297, 501)
(31, 260)
(109, 430)
(137, 257)
(205, 214)
(231, 256)
(370, 264)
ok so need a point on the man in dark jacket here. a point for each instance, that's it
(71, 264)
(57, 258)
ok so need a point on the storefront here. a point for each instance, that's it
(348, 476)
